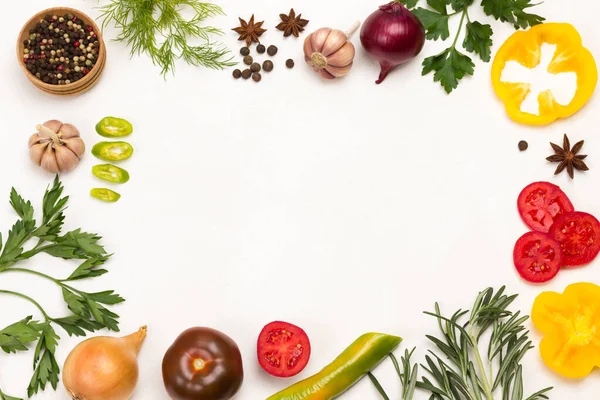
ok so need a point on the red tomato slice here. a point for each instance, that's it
(578, 234)
(541, 203)
(537, 257)
(283, 349)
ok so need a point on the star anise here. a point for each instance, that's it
(250, 31)
(568, 157)
(291, 24)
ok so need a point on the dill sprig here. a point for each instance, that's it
(462, 368)
(158, 28)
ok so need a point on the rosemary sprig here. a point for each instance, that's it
(462, 369)
(407, 374)
(159, 29)
(88, 310)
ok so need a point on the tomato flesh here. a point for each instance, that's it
(537, 257)
(540, 203)
(283, 349)
(578, 234)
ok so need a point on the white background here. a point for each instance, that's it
(343, 207)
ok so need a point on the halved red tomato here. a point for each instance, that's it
(283, 349)
(578, 234)
(540, 203)
(537, 257)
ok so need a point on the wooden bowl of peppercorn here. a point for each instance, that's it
(61, 51)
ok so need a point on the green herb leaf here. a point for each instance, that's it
(512, 11)
(450, 66)
(45, 367)
(409, 3)
(478, 40)
(436, 24)
(459, 5)
(22, 208)
(88, 269)
(17, 336)
(4, 396)
(17, 236)
(439, 5)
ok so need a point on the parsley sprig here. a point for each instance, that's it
(89, 311)
(451, 65)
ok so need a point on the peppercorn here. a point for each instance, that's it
(256, 77)
(268, 66)
(255, 67)
(289, 63)
(523, 145)
(246, 74)
(272, 50)
(244, 51)
(237, 73)
(248, 60)
(260, 49)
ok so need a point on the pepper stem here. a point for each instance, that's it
(353, 29)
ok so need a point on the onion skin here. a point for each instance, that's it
(104, 368)
(392, 35)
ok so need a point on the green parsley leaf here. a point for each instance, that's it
(88, 269)
(459, 5)
(7, 397)
(17, 336)
(478, 40)
(450, 66)
(409, 3)
(436, 25)
(22, 208)
(53, 204)
(17, 236)
(439, 5)
(76, 325)
(512, 11)
(45, 367)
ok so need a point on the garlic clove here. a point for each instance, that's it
(34, 139)
(36, 152)
(49, 160)
(68, 131)
(343, 57)
(76, 145)
(54, 125)
(65, 159)
(334, 42)
(318, 39)
(338, 72)
(325, 74)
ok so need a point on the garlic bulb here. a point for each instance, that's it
(56, 147)
(329, 52)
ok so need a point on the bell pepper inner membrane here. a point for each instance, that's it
(562, 85)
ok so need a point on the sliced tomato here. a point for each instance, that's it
(283, 349)
(578, 234)
(537, 257)
(540, 203)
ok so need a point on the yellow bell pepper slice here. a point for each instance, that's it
(524, 47)
(570, 323)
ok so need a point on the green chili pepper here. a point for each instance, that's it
(110, 173)
(105, 195)
(113, 127)
(112, 151)
(360, 358)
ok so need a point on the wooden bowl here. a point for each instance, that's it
(80, 86)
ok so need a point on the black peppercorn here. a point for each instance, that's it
(237, 73)
(248, 60)
(244, 51)
(272, 50)
(255, 67)
(246, 74)
(256, 77)
(289, 63)
(268, 66)
(260, 49)
(523, 145)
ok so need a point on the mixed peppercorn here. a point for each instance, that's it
(61, 50)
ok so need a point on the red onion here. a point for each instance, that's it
(392, 35)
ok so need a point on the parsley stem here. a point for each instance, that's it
(29, 299)
(462, 20)
(42, 275)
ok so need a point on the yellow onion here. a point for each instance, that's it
(104, 368)
(329, 52)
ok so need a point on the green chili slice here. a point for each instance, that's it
(113, 127)
(112, 151)
(110, 173)
(105, 195)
